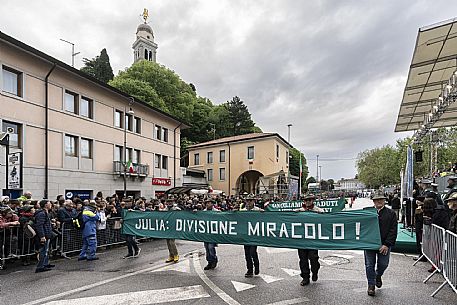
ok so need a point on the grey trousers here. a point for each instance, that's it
(172, 250)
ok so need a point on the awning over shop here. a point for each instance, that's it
(433, 64)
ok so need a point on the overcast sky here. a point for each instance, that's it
(336, 70)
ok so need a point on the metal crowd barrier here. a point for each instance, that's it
(439, 246)
(15, 244)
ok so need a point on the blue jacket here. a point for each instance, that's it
(42, 224)
(90, 218)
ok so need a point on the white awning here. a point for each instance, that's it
(434, 61)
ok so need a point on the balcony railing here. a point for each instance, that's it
(141, 170)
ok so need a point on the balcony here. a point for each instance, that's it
(140, 170)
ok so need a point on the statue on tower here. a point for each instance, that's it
(145, 15)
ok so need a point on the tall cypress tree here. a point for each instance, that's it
(99, 67)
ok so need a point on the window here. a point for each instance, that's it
(12, 81)
(222, 156)
(209, 157)
(86, 148)
(118, 119)
(277, 152)
(210, 174)
(158, 130)
(14, 131)
(70, 102)
(85, 107)
(164, 162)
(118, 153)
(136, 156)
(128, 154)
(128, 122)
(287, 157)
(196, 159)
(164, 134)
(251, 152)
(70, 146)
(157, 161)
(222, 174)
(137, 125)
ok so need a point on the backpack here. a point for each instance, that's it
(78, 221)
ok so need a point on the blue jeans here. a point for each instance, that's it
(375, 259)
(89, 245)
(210, 249)
(44, 256)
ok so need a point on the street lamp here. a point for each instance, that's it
(288, 132)
(130, 112)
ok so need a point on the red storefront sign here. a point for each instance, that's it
(161, 181)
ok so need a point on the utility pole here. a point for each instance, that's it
(317, 168)
(73, 54)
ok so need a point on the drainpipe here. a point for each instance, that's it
(46, 131)
(229, 176)
(174, 154)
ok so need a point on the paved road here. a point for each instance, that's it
(148, 280)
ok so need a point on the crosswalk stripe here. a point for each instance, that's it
(291, 272)
(141, 297)
(239, 286)
(291, 301)
(269, 279)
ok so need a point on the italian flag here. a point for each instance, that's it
(130, 166)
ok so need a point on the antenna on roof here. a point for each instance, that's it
(73, 54)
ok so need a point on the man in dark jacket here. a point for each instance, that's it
(380, 258)
(43, 230)
(67, 213)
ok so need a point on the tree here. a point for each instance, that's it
(379, 166)
(99, 67)
(239, 117)
(294, 165)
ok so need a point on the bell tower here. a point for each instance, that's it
(144, 46)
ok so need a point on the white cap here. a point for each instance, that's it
(4, 198)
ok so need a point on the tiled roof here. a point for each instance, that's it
(249, 136)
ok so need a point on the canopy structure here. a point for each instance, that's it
(431, 86)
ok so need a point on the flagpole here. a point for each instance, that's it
(299, 177)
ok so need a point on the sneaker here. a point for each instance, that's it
(378, 281)
(249, 274)
(214, 264)
(176, 258)
(50, 266)
(93, 258)
(371, 291)
(314, 277)
(257, 271)
(137, 253)
(44, 269)
(304, 282)
(170, 259)
(82, 258)
(128, 256)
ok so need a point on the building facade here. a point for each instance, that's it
(254, 163)
(349, 185)
(68, 130)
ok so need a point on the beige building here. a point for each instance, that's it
(69, 130)
(253, 163)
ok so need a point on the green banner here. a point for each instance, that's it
(353, 230)
(328, 205)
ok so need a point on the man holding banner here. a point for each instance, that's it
(250, 252)
(311, 255)
(380, 258)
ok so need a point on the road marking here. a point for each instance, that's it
(269, 279)
(329, 262)
(182, 266)
(141, 297)
(291, 301)
(343, 255)
(291, 272)
(90, 286)
(198, 269)
(278, 250)
(239, 286)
